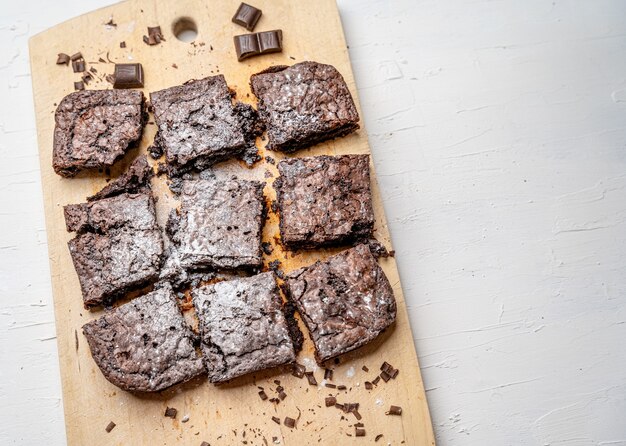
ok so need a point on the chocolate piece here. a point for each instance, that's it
(394, 410)
(365, 369)
(386, 367)
(290, 422)
(359, 432)
(303, 105)
(133, 181)
(340, 407)
(94, 128)
(311, 378)
(345, 302)
(368, 385)
(122, 44)
(394, 373)
(378, 437)
(171, 412)
(63, 59)
(247, 16)
(144, 345)
(205, 443)
(128, 75)
(298, 370)
(110, 427)
(385, 376)
(341, 387)
(263, 395)
(86, 78)
(220, 224)
(328, 374)
(276, 420)
(76, 56)
(331, 385)
(242, 326)
(282, 395)
(356, 414)
(119, 246)
(154, 36)
(330, 401)
(78, 66)
(79, 86)
(248, 45)
(198, 124)
(324, 200)
(376, 380)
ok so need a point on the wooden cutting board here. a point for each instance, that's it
(232, 413)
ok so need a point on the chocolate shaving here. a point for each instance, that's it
(111, 23)
(63, 59)
(93, 70)
(356, 413)
(386, 367)
(340, 406)
(330, 401)
(282, 395)
(328, 374)
(86, 78)
(110, 426)
(290, 422)
(154, 36)
(262, 395)
(394, 410)
(171, 412)
(78, 66)
(341, 387)
(311, 378)
(76, 56)
(276, 420)
(378, 437)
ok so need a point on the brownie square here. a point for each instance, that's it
(144, 345)
(345, 302)
(324, 200)
(303, 105)
(242, 326)
(220, 224)
(198, 125)
(119, 245)
(94, 128)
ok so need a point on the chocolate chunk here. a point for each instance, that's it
(365, 369)
(86, 78)
(276, 420)
(386, 367)
(204, 443)
(356, 413)
(298, 370)
(128, 75)
(330, 401)
(282, 395)
(369, 385)
(328, 374)
(290, 422)
(76, 56)
(79, 86)
(248, 45)
(394, 410)
(311, 378)
(247, 16)
(110, 426)
(378, 437)
(267, 248)
(78, 66)
(263, 395)
(385, 376)
(340, 407)
(341, 387)
(376, 380)
(122, 44)
(63, 59)
(360, 432)
(154, 36)
(394, 373)
(171, 412)
(331, 385)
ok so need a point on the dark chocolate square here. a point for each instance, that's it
(119, 246)
(242, 326)
(345, 302)
(220, 224)
(303, 105)
(94, 128)
(144, 345)
(324, 200)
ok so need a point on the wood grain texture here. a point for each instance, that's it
(312, 31)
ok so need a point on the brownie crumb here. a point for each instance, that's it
(270, 160)
(171, 412)
(394, 410)
(297, 338)
(267, 248)
(290, 422)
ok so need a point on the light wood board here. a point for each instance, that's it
(217, 414)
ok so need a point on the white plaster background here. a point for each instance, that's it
(498, 129)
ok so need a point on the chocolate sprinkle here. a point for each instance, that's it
(311, 378)
(330, 401)
(394, 410)
(63, 59)
(171, 412)
(290, 422)
(276, 420)
(110, 426)
(247, 16)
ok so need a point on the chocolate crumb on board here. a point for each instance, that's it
(204, 443)
(311, 378)
(359, 432)
(290, 422)
(79, 86)
(368, 385)
(122, 44)
(376, 380)
(378, 437)
(110, 426)
(263, 395)
(282, 395)
(86, 78)
(171, 412)
(154, 36)
(365, 369)
(328, 374)
(341, 387)
(394, 410)
(331, 385)
(298, 370)
(111, 23)
(78, 66)
(63, 59)
(330, 401)
(356, 414)
(385, 376)
(76, 56)
(276, 420)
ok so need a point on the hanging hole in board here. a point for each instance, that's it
(185, 29)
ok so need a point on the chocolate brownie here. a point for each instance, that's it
(134, 180)
(144, 345)
(345, 302)
(220, 224)
(303, 105)
(198, 125)
(324, 200)
(242, 326)
(94, 128)
(119, 245)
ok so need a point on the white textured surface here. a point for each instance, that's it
(499, 134)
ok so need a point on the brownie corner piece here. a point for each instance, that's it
(324, 200)
(220, 224)
(198, 125)
(304, 104)
(243, 327)
(144, 345)
(94, 128)
(345, 301)
(119, 246)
